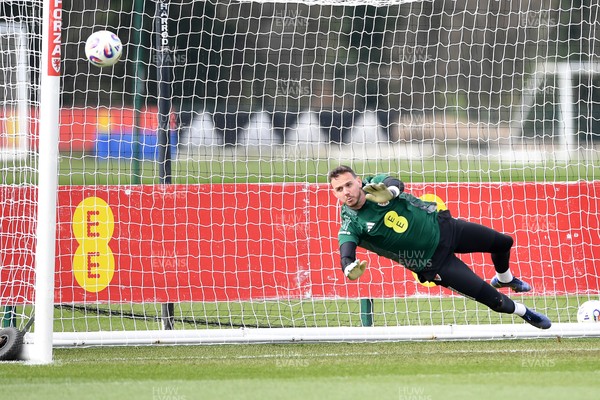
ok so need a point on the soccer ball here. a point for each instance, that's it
(589, 311)
(103, 48)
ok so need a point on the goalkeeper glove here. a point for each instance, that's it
(355, 269)
(380, 193)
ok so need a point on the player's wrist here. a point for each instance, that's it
(355, 270)
(394, 190)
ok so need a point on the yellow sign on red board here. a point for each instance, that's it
(93, 228)
(185, 243)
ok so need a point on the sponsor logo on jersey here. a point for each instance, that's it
(370, 226)
(396, 222)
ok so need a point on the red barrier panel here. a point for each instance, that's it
(17, 243)
(261, 241)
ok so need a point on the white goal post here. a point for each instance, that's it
(556, 82)
(180, 196)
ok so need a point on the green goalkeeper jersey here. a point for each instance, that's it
(404, 229)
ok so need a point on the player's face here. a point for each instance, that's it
(348, 190)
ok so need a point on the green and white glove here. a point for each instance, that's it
(380, 193)
(354, 270)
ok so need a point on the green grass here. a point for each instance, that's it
(88, 170)
(408, 311)
(516, 369)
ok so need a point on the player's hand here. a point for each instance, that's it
(354, 270)
(378, 192)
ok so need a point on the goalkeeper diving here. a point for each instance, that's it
(379, 216)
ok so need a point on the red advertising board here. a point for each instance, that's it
(171, 243)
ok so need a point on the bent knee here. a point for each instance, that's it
(503, 242)
(501, 303)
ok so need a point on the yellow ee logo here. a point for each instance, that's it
(397, 222)
(93, 227)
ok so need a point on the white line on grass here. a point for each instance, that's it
(293, 354)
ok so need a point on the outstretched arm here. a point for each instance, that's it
(353, 268)
(387, 190)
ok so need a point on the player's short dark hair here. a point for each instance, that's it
(337, 171)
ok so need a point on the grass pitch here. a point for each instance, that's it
(81, 169)
(510, 369)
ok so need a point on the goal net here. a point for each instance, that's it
(17, 207)
(192, 196)
(14, 96)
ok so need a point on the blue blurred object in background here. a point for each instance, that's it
(121, 145)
